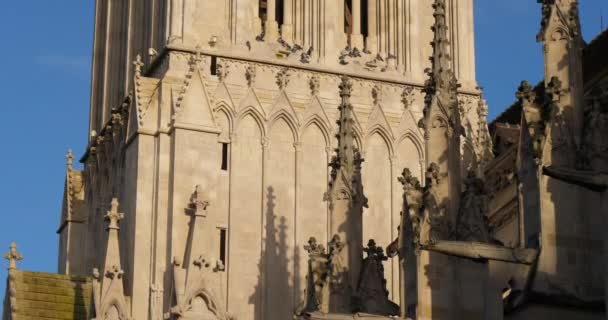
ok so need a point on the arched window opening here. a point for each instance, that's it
(280, 12)
(263, 14)
(350, 20)
(348, 17)
(364, 18)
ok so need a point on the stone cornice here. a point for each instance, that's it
(397, 79)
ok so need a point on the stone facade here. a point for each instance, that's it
(241, 99)
(213, 123)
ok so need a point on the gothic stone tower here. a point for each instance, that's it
(239, 98)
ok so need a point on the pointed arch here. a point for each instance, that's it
(282, 104)
(288, 118)
(224, 107)
(207, 297)
(316, 109)
(251, 100)
(315, 119)
(415, 139)
(222, 94)
(378, 118)
(384, 134)
(256, 115)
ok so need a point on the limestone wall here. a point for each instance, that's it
(257, 138)
(398, 30)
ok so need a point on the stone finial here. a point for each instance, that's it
(70, 159)
(138, 65)
(283, 78)
(346, 87)
(197, 204)
(374, 251)
(525, 92)
(377, 94)
(250, 74)
(315, 85)
(114, 272)
(407, 97)
(222, 71)
(198, 56)
(408, 180)
(113, 216)
(554, 89)
(13, 256)
(313, 248)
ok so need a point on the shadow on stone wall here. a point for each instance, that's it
(274, 294)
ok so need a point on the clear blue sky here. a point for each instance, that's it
(45, 67)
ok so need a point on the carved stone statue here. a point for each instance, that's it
(372, 293)
(407, 243)
(315, 279)
(472, 223)
(435, 224)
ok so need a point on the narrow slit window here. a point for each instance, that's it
(224, 157)
(213, 66)
(223, 240)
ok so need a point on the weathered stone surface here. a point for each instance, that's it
(35, 295)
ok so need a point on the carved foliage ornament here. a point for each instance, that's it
(283, 78)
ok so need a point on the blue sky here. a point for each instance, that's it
(45, 67)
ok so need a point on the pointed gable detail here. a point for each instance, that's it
(408, 123)
(108, 288)
(283, 105)
(193, 281)
(192, 108)
(145, 89)
(251, 101)
(73, 194)
(222, 95)
(377, 121)
(315, 112)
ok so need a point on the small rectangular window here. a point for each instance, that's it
(213, 66)
(224, 157)
(223, 240)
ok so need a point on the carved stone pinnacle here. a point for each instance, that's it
(13, 256)
(113, 216)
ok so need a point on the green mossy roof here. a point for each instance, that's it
(51, 296)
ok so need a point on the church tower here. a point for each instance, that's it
(233, 104)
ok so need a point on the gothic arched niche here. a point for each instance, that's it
(112, 313)
(313, 179)
(245, 217)
(199, 310)
(280, 229)
(223, 122)
(377, 179)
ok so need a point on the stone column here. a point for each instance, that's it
(371, 43)
(272, 27)
(287, 27)
(356, 38)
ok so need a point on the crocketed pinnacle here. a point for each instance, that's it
(442, 81)
(441, 60)
(345, 154)
(568, 13)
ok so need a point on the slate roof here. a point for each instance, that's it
(595, 57)
(46, 296)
